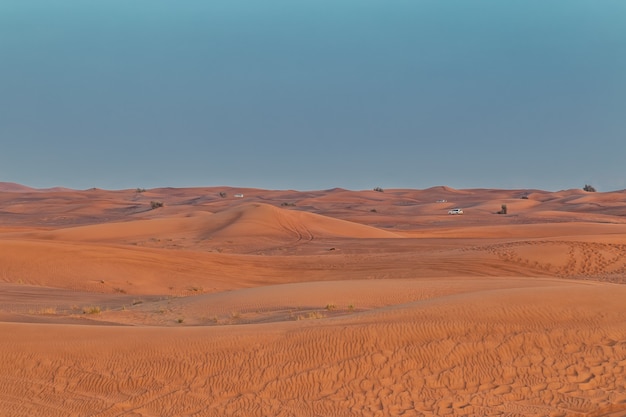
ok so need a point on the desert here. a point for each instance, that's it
(198, 302)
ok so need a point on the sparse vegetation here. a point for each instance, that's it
(351, 307)
(285, 204)
(140, 190)
(330, 307)
(503, 210)
(589, 188)
(373, 211)
(223, 194)
(180, 320)
(313, 315)
(92, 310)
(156, 204)
(378, 189)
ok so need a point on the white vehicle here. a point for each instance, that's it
(455, 211)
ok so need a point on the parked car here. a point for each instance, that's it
(455, 211)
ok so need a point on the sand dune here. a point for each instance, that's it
(11, 187)
(560, 351)
(333, 302)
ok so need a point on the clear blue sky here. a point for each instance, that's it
(313, 94)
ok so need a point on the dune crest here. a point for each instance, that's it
(267, 220)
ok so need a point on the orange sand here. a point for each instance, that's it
(319, 303)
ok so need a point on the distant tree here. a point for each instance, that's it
(380, 190)
(589, 188)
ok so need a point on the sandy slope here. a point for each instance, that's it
(330, 302)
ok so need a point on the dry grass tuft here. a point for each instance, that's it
(92, 310)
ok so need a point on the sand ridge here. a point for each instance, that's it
(331, 302)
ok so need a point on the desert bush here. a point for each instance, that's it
(155, 204)
(92, 310)
(378, 189)
(503, 211)
(140, 190)
(223, 194)
(589, 188)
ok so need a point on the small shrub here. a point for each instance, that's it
(378, 189)
(92, 310)
(180, 320)
(503, 211)
(223, 194)
(589, 188)
(373, 211)
(156, 204)
(140, 190)
(330, 307)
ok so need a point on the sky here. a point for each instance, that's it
(313, 94)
